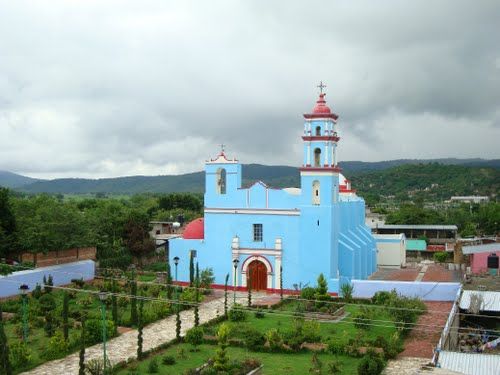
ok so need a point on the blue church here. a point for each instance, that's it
(266, 236)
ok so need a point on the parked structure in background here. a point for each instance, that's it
(423, 240)
(164, 230)
(470, 199)
(483, 258)
(317, 228)
(391, 250)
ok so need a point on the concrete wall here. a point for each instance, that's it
(427, 291)
(61, 274)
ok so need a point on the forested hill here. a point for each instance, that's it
(433, 180)
(474, 176)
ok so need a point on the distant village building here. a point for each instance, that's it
(470, 199)
(483, 258)
(373, 219)
(262, 235)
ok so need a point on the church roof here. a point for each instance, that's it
(321, 110)
(195, 230)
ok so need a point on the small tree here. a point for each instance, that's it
(65, 313)
(177, 318)
(249, 288)
(225, 295)
(197, 297)
(169, 281)
(140, 333)
(191, 269)
(114, 305)
(317, 365)
(81, 363)
(281, 283)
(221, 360)
(347, 291)
(195, 337)
(133, 302)
(47, 307)
(5, 366)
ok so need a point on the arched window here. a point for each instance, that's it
(221, 181)
(317, 157)
(318, 130)
(315, 193)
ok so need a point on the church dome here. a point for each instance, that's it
(195, 230)
(321, 107)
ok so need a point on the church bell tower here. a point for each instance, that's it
(319, 176)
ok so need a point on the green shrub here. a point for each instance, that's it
(194, 336)
(308, 293)
(274, 339)
(189, 295)
(440, 256)
(57, 347)
(96, 367)
(37, 292)
(153, 366)
(371, 364)
(336, 347)
(385, 298)
(347, 290)
(334, 367)
(20, 355)
(93, 330)
(254, 340)
(259, 314)
(168, 360)
(207, 278)
(236, 314)
(310, 331)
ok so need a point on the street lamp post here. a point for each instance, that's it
(24, 291)
(235, 264)
(103, 296)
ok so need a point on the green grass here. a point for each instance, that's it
(274, 363)
(282, 320)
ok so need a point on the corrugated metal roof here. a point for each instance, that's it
(491, 247)
(430, 227)
(398, 236)
(470, 363)
(491, 300)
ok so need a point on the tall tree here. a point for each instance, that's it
(225, 294)
(114, 305)
(81, 363)
(139, 332)
(8, 227)
(136, 234)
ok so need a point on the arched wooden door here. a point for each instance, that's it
(257, 275)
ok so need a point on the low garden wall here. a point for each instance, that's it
(425, 290)
(61, 274)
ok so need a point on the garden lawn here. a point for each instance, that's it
(274, 363)
(342, 330)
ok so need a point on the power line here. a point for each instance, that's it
(274, 313)
(295, 298)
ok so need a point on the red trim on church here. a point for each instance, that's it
(230, 288)
(332, 116)
(320, 138)
(321, 169)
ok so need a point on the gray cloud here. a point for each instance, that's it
(119, 88)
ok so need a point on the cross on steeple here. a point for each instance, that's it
(222, 148)
(321, 87)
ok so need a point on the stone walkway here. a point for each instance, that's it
(124, 347)
(413, 366)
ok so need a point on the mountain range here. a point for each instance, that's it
(276, 176)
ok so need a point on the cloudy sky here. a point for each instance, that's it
(112, 88)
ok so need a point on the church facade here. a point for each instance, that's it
(267, 236)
